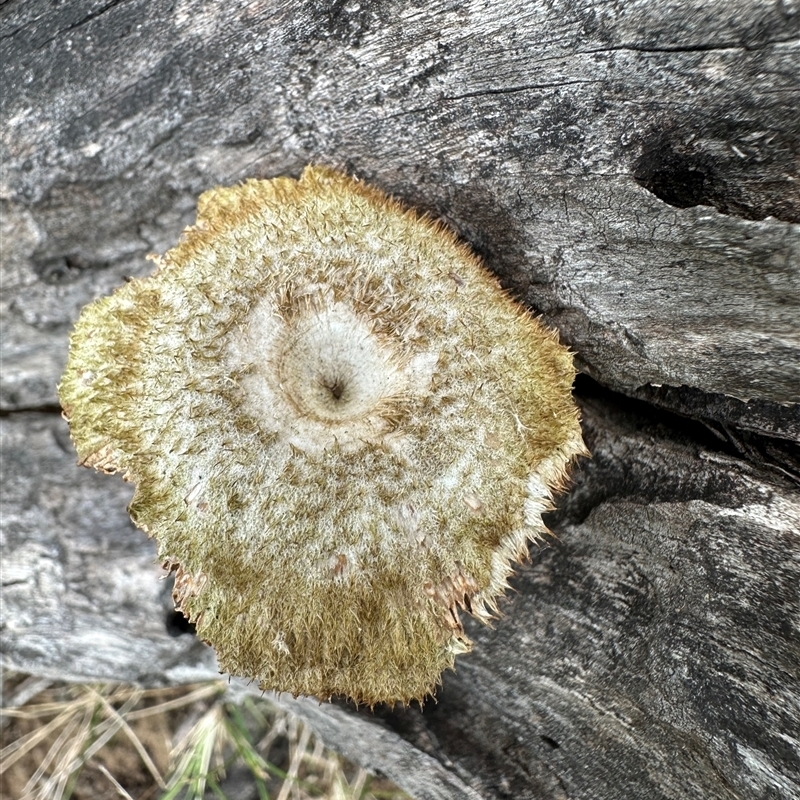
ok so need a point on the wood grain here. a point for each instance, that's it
(630, 171)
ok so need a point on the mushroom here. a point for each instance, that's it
(342, 432)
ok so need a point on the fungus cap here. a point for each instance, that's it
(341, 430)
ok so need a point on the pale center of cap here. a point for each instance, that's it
(334, 369)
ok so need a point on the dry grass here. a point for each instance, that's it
(111, 741)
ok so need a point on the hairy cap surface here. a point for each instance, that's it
(341, 430)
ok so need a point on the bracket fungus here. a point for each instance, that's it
(341, 430)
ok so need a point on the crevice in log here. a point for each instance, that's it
(768, 419)
(91, 15)
(718, 165)
(689, 48)
(61, 269)
(45, 408)
(176, 624)
(683, 412)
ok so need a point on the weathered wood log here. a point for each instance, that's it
(649, 651)
(630, 171)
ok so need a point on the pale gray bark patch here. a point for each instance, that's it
(83, 595)
(630, 171)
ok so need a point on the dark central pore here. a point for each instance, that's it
(335, 387)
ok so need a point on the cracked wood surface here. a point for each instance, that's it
(629, 170)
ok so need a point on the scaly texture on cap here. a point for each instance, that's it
(341, 431)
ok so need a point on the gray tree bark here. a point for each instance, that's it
(630, 170)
